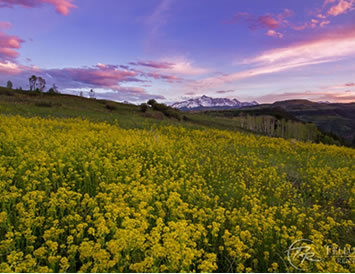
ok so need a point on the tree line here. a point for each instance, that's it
(39, 84)
(166, 110)
(36, 83)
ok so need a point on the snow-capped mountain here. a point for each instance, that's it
(205, 102)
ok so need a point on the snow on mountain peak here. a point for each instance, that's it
(209, 102)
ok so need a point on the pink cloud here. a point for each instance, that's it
(182, 66)
(274, 22)
(314, 23)
(9, 68)
(326, 2)
(190, 93)
(265, 21)
(321, 16)
(224, 91)
(169, 78)
(299, 27)
(324, 23)
(128, 94)
(8, 46)
(62, 6)
(12, 68)
(105, 76)
(328, 48)
(136, 90)
(5, 25)
(101, 77)
(343, 6)
(273, 33)
(179, 66)
(316, 96)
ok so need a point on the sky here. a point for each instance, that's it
(171, 50)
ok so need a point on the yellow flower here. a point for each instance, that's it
(93, 197)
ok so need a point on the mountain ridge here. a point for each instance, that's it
(205, 102)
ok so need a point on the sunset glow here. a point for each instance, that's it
(169, 50)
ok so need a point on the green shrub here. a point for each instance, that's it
(144, 107)
(110, 107)
(44, 104)
(151, 102)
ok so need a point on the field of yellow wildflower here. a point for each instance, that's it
(92, 197)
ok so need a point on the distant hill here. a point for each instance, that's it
(334, 118)
(208, 103)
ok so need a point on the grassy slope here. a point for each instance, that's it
(29, 104)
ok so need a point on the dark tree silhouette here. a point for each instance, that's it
(53, 89)
(41, 84)
(144, 107)
(151, 102)
(33, 81)
(9, 84)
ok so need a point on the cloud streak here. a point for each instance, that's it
(319, 18)
(158, 76)
(62, 6)
(273, 33)
(343, 6)
(8, 68)
(224, 91)
(128, 94)
(331, 96)
(5, 25)
(110, 81)
(153, 64)
(329, 48)
(101, 75)
(177, 66)
(267, 21)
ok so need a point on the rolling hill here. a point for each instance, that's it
(30, 104)
(334, 118)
